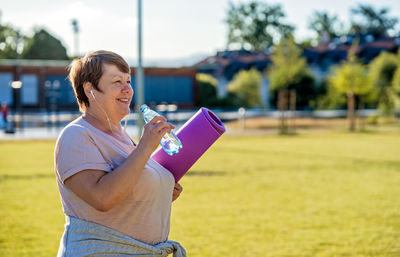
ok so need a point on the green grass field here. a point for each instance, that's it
(313, 194)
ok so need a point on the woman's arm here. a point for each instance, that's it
(104, 190)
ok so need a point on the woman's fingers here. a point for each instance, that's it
(177, 191)
(178, 187)
(160, 125)
(155, 130)
(163, 127)
(157, 119)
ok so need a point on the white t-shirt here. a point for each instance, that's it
(145, 214)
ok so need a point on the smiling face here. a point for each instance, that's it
(115, 93)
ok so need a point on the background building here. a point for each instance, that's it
(45, 85)
(226, 64)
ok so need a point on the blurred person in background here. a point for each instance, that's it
(4, 114)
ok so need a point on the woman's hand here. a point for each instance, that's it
(177, 191)
(153, 131)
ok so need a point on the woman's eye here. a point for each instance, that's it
(119, 81)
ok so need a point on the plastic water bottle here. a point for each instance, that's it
(170, 142)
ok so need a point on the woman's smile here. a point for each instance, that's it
(125, 101)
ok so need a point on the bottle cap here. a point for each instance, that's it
(143, 108)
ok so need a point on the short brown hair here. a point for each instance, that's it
(90, 69)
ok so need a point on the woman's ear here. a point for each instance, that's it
(87, 86)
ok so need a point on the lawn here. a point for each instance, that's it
(313, 194)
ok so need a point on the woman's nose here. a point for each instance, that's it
(127, 88)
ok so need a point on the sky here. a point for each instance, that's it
(173, 30)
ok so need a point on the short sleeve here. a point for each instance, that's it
(76, 151)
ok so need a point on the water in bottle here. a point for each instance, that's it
(170, 142)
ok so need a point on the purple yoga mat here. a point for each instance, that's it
(196, 135)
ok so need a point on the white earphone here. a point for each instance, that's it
(91, 92)
(108, 119)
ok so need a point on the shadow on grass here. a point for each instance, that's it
(206, 173)
(52, 176)
(289, 134)
(379, 163)
(367, 131)
(25, 177)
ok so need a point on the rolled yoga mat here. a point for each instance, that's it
(196, 136)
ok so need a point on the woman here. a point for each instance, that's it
(116, 198)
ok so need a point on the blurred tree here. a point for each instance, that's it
(382, 75)
(324, 25)
(329, 97)
(207, 90)
(253, 25)
(246, 87)
(368, 20)
(289, 71)
(308, 43)
(286, 65)
(44, 46)
(350, 78)
(11, 42)
(396, 83)
(305, 87)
